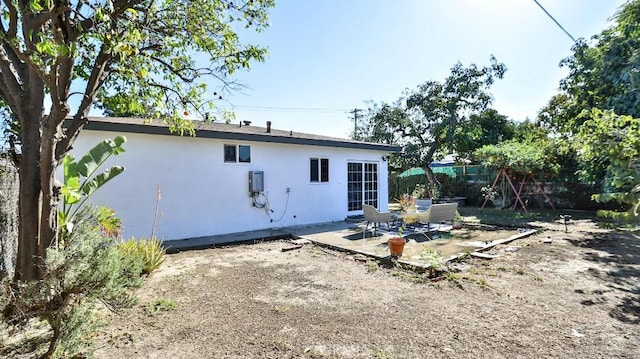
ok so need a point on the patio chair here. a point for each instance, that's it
(372, 215)
(436, 214)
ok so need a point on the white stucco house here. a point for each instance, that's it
(205, 181)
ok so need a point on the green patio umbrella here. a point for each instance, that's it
(412, 172)
(415, 171)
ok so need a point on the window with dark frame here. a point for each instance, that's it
(319, 170)
(244, 154)
(324, 170)
(230, 153)
(314, 175)
(237, 153)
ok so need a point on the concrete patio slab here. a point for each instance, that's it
(350, 236)
(224, 239)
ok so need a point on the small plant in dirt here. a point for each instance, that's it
(417, 279)
(383, 354)
(483, 283)
(160, 304)
(281, 309)
(83, 272)
(435, 261)
(463, 257)
(452, 277)
(372, 266)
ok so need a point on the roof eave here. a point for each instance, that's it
(225, 135)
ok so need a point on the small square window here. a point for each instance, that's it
(229, 153)
(244, 154)
(319, 170)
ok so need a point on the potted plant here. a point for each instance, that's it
(457, 221)
(396, 244)
(408, 203)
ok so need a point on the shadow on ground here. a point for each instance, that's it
(620, 252)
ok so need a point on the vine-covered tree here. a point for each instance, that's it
(435, 116)
(58, 58)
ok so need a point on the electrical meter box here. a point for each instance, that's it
(256, 181)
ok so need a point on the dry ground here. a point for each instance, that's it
(576, 297)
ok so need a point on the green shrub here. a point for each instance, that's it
(149, 251)
(85, 269)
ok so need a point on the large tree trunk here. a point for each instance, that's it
(31, 253)
(50, 191)
(38, 202)
(425, 166)
(431, 176)
(29, 260)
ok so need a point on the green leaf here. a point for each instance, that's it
(99, 154)
(98, 181)
(35, 5)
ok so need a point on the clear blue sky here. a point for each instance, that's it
(334, 55)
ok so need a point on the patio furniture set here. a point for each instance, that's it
(424, 220)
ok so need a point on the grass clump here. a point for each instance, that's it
(483, 283)
(149, 251)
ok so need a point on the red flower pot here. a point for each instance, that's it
(396, 246)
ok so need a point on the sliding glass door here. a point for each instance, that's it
(362, 185)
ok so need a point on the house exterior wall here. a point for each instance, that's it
(201, 195)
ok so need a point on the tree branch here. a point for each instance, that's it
(9, 84)
(13, 19)
(99, 74)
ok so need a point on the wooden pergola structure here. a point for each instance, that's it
(526, 178)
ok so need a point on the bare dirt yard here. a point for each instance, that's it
(551, 295)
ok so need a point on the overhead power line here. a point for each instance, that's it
(292, 109)
(554, 20)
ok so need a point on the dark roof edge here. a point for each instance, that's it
(204, 133)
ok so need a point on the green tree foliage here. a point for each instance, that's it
(435, 117)
(610, 149)
(603, 73)
(485, 128)
(129, 56)
(558, 152)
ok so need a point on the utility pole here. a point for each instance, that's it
(356, 113)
